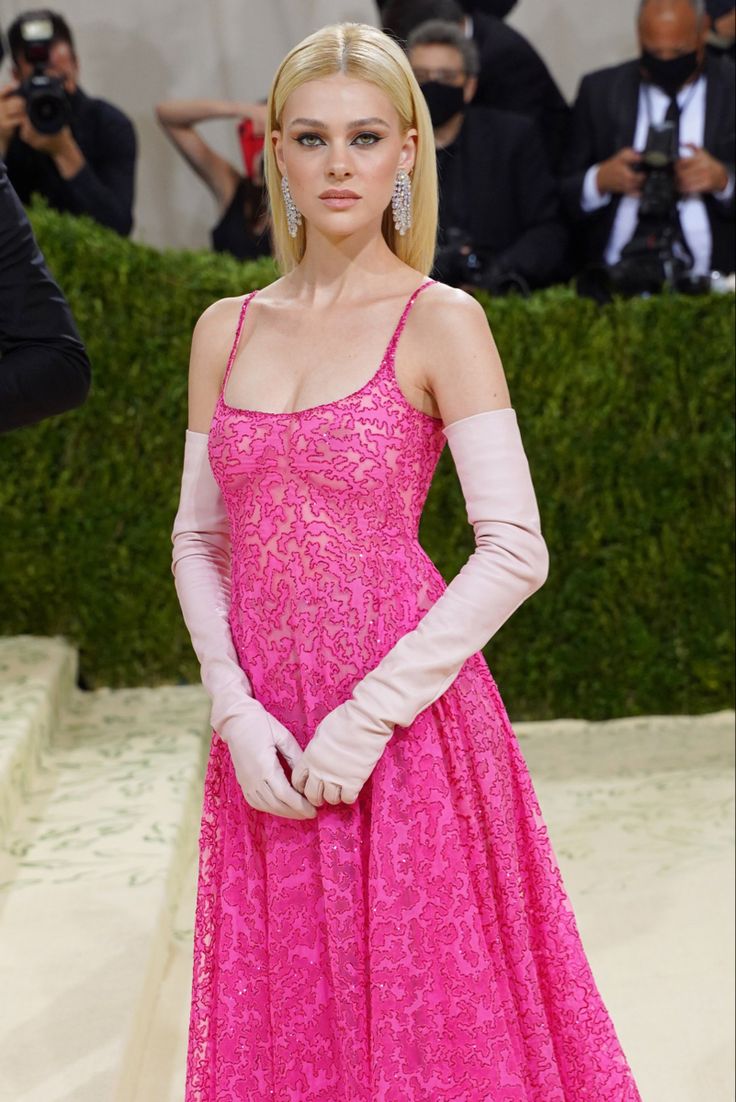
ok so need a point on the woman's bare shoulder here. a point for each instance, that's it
(460, 363)
(446, 308)
(212, 340)
(218, 321)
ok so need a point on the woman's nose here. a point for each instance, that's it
(339, 165)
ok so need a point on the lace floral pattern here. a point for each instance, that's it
(418, 944)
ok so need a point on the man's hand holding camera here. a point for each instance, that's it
(697, 174)
(700, 174)
(61, 147)
(12, 114)
(619, 176)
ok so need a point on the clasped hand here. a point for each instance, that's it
(333, 768)
(341, 755)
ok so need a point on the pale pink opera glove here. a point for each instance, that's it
(201, 567)
(510, 562)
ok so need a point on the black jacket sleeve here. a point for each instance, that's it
(105, 189)
(514, 77)
(539, 251)
(44, 367)
(582, 152)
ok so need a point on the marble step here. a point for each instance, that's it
(90, 874)
(37, 677)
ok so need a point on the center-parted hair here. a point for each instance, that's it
(360, 51)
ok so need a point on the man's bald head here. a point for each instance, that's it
(671, 28)
(668, 8)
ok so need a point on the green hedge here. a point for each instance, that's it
(627, 418)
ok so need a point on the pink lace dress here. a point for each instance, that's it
(419, 944)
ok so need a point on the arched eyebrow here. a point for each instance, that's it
(316, 124)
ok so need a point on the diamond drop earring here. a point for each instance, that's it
(293, 216)
(401, 202)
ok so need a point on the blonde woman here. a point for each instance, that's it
(379, 914)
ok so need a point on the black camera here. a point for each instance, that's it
(657, 255)
(458, 263)
(47, 103)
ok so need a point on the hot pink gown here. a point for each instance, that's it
(419, 945)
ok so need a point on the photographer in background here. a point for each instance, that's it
(499, 223)
(76, 151)
(618, 113)
(44, 368)
(243, 223)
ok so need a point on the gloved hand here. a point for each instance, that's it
(201, 567)
(510, 562)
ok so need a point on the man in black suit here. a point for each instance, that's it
(44, 368)
(500, 220)
(673, 80)
(512, 76)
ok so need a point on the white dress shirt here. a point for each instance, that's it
(653, 106)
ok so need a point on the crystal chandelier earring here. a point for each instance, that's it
(401, 202)
(293, 216)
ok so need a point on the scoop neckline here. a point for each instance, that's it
(312, 409)
(387, 356)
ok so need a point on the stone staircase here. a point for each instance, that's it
(100, 798)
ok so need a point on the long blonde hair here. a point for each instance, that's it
(363, 52)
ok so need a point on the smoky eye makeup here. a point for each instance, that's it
(311, 140)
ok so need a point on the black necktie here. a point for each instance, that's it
(673, 116)
(674, 113)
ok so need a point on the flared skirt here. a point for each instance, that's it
(416, 946)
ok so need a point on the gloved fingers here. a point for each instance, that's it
(285, 741)
(314, 790)
(262, 799)
(332, 792)
(255, 800)
(283, 796)
(349, 794)
(299, 777)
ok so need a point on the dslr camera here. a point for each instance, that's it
(657, 255)
(459, 263)
(47, 103)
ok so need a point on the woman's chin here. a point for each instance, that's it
(343, 224)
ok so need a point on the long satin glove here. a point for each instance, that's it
(510, 562)
(201, 567)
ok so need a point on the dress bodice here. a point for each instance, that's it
(324, 506)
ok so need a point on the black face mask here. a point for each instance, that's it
(499, 8)
(443, 101)
(670, 75)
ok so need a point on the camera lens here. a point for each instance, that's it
(48, 104)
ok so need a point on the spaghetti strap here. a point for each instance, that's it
(405, 314)
(233, 350)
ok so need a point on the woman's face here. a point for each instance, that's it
(340, 134)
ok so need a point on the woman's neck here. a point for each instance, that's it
(344, 268)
